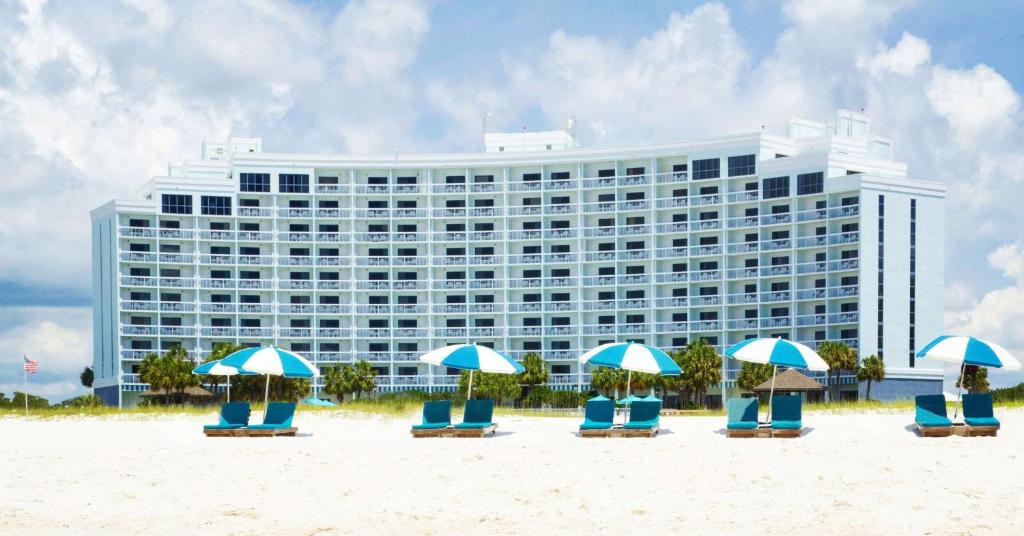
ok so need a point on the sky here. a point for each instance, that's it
(97, 97)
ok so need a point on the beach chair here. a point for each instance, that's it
(277, 420)
(437, 418)
(233, 417)
(476, 419)
(786, 416)
(930, 416)
(978, 415)
(643, 419)
(597, 421)
(742, 418)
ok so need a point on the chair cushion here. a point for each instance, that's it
(785, 425)
(431, 426)
(473, 425)
(595, 425)
(744, 425)
(981, 421)
(932, 421)
(222, 426)
(268, 426)
(641, 425)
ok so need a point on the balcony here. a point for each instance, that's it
(255, 284)
(137, 232)
(636, 279)
(781, 322)
(598, 281)
(671, 327)
(295, 285)
(372, 189)
(675, 202)
(627, 206)
(217, 331)
(742, 298)
(634, 255)
(631, 329)
(706, 275)
(776, 219)
(295, 213)
(844, 212)
(373, 333)
(633, 230)
(671, 177)
(332, 188)
(743, 221)
(706, 250)
(253, 332)
(449, 188)
(773, 245)
(671, 253)
(254, 236)
(295, 237)
(705, 200)
(743, 197)
(776, 271)
(776, 296)
(674, 277)
(525, 332)
(255, 212)
(743, 323)
(597, 232)
(216, 235)
(591, 208)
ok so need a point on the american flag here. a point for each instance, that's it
(31, 367)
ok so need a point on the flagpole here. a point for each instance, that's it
(24, 373)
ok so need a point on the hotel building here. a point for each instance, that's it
(534, 245)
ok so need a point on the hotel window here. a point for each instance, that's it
(709, 168)
(810, 183)
(741, 165)
(405, 180)
(293, 183)
(254, 182)
(775, 187)
(215, 205)
(176, 204)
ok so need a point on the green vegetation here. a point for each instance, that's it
(870, 370)
(17, 402)
(536, 372)
(86, 377)
(169, 372)
(839, 358)
(753, 374)
(1008, 395)
(350, 379)
(974, 379)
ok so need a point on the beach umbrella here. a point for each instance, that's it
(314, 401)
(778, 353)
(472, 357)
(968, 351)
(271, 361)
(216, 368)
(631, 356)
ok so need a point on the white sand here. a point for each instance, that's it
(851, 474)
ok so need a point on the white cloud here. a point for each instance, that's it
(977, 103)
(904, 58)
(60, 339)
(378, 38)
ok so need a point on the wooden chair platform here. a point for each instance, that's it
(765, 431)
(451, 431)
(618, 431)
(934, 431)
(246, 432)
(966, 430)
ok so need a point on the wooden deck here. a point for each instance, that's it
(246, 432)
(619, 431)
(966, 430)
(451, 431)
(764, 430)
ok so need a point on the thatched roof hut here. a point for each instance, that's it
(791, 381)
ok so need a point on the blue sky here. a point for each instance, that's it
(97, 97)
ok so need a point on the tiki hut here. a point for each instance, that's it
(193, 395)
(792, 382)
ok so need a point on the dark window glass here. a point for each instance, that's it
(176, 204)
(707, 169)
(810, 183)
(215, 205)
(741, 165)
(293, 183)
(254, 182)
(775, 187)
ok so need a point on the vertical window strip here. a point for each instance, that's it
(913, 279)
(881, 277)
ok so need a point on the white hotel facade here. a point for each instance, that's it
(534, 245)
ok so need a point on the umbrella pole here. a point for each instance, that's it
(771, 393)
(629, 380)
(229, 388)
(266, 393)
(959, 388)
(469, 391)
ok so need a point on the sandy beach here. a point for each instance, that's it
(361, 474)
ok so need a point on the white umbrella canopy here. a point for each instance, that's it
(472, 357)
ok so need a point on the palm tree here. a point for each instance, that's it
(871, 369)
(839, 357)
(220, 351)
(608, 380)
(974, 379)
(753, 374)
(179, 370)
(536, 372)
(336, 382)
(675, 383)
(363, 379)
(702, 367)
(86, 377)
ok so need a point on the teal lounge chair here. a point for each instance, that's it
(786, 415)
(644, 415)
(599, 415)
(978, 414)
(233, 416)
(277, 420)
(742, 420)
(437, 417)
(476, 419)
(930, 416)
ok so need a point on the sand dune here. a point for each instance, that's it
(352, 474)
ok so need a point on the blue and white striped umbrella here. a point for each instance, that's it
(778, 352)
(472, 357)
(969, 351)
(271, 361)
(216, 368)
(632, 356)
